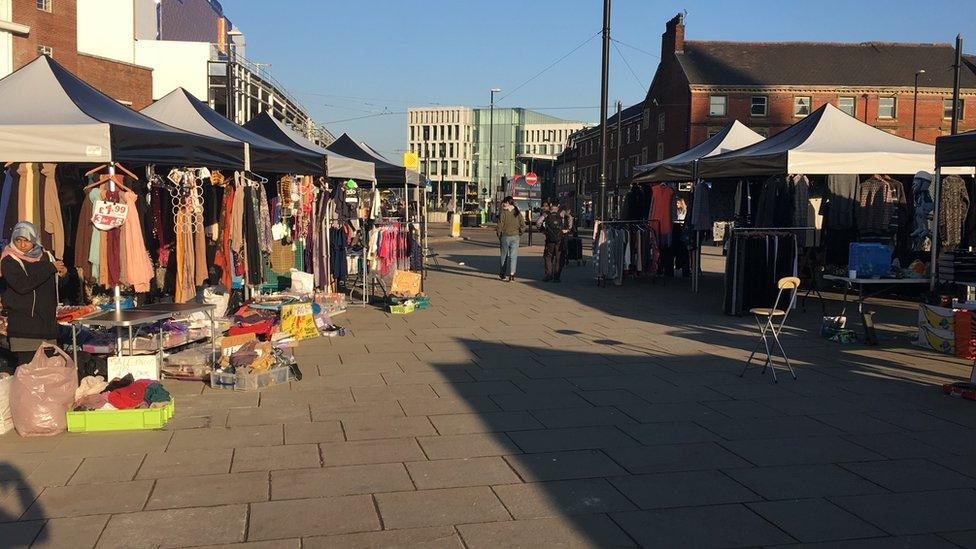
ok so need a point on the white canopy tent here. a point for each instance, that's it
(826, 142)
(682, 167)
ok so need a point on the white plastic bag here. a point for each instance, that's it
(219, 301)
(43, 392)
(6, 418)
(302, 282)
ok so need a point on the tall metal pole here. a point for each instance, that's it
(604, 84)
(915, 102)
(491, 138)
(616, 169)
(956, 67)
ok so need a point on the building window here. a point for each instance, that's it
(45, 50)
(636, 134)
(762, 131)
(454, 167)
(44, 5)
(644, 155)
(660, 151)
(887, 107)
(848, 105)
(646, 119)
(759, 104)
(801, 105)
(717, 105)
(713, 130)
(660, 122)
(947, 109)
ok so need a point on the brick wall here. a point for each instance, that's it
(930, 123)
(58, 29)
(130, 84)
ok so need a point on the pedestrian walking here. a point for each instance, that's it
(554, 228)
(510, 227)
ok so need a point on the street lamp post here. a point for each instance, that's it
(915, 102)
(491, 137)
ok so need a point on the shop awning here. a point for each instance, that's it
(336, 165)
(828, 141)
(388, 174)
(182, 110)
(681, 167)
(51, 115)
(956, 150)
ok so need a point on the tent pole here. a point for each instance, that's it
(936, 199)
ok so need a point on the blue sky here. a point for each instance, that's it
(350, 60)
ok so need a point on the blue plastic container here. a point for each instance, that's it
(870, 259)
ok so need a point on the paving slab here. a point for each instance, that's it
(457, 424)
(312, 517)
(443, 537)
(456, 473)
(107, 469)
(378, 428)
(716, 526)
(179, 463)
(797, 451)
(290, 456)
(803, 481)
(178, 527)
(590, 531)
(564, 465)
(230, 437)
(75, 501)
(910, 475)
(365, 452)
(74, 532)
(682, 489)
(575, 438)
(468, 446)
(269, 415)
(319, 431)
(914, 513)
(813, 520)
(209, 490)
(676, 457)
(562, 498)
(339, 481)
(440, 507)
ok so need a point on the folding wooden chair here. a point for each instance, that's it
(766, 320)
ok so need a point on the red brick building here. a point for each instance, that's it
(700, 86)
(54, 31)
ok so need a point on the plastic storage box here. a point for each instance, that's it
(406, 308)
(869, 259)
(242, 381)
(120, 420)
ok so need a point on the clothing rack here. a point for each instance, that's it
(640, 224)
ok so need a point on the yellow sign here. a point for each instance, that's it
(297, 320)
(411, 161)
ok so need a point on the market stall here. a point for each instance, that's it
(182, 110)
(155, 257)
(957, 151)
(684, 167)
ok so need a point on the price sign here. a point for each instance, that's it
(297, 320)
(109, 215)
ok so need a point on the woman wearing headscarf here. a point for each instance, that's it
(30, 296)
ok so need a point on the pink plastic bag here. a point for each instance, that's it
(43, 392)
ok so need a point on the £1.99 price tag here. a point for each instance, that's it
(109, 215)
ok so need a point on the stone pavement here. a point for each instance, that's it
(531, 414)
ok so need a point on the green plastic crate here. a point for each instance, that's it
(402, 309)
(120, 420)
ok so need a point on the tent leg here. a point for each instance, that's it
(937, 198)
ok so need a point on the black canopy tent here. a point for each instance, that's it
(51, 115)
(956, 150)
(181, 109)
(336, 165)
(388, 174)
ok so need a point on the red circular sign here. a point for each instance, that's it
(531, 178)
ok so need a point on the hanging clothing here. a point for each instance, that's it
(841, 200)
(138, 266)
(662, 211)
(800, 187)
(953, 208)
(53, 227)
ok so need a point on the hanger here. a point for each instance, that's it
(117, 166)
(99, 183)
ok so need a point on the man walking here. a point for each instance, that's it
(554, 228)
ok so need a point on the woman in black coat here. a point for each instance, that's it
(30, 292)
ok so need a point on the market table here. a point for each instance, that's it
(881, 284)
(140, 316)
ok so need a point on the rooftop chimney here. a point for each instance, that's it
(673, 39)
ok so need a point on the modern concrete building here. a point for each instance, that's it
(453, 146)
